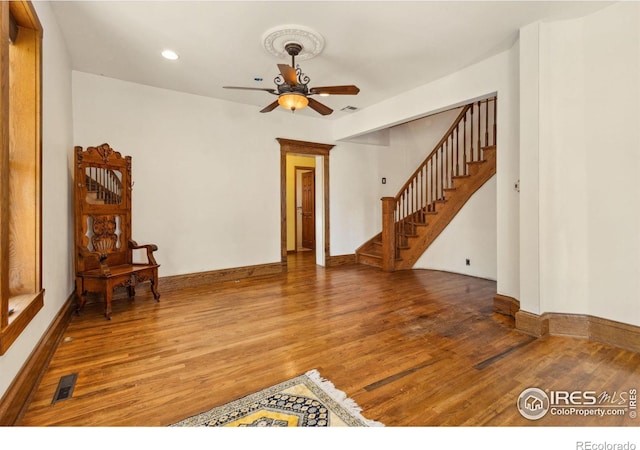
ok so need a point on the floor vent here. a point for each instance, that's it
(65, 387)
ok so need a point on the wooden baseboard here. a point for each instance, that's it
(532, 324)
(176, 282)
(607, 331)
(598, 329)
(341, 260)
(19, 394)
(506, 305)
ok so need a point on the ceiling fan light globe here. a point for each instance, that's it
(293, 101)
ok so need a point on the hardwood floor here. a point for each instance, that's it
(412, 348)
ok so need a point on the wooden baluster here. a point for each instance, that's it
(429, 185)
(419, 200)
(479, 134)
(445, 162)
(411, 194)
(471, 136)
(447, 149)
(450, 161)
(441, 184)
(413, 199)
(434, 176)
(421, 205)
(495, 119)
(457, 160)
(454, 164)
(464, 146)
(486, 123)
(435, 193)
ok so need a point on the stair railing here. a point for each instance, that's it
(105, 183)
(473, 129)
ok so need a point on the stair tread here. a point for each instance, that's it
(371, 254)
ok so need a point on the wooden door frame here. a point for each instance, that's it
(290, 146)
(295, 196)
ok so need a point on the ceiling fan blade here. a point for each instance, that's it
(289, 74)
(269, 90)
(319, 107)
(270, 107)
(335, 90)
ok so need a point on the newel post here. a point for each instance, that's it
(388, 233)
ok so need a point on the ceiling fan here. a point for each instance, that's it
(292, 87)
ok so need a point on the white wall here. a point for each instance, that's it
(212, 167)
(470, 235)
(589, 210)
(410, 144)
(354, 209)
(57, 224)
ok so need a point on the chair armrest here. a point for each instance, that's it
(149, 247)
(102, 258)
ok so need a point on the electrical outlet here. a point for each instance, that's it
(468, 261)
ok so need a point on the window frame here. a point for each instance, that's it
(21, 292)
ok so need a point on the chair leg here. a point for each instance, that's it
(108, 297)
(154, 286)
(81, 295)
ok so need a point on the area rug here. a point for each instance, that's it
(305, 401)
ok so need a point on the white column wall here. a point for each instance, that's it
(612, 124)
(588, 119)
(529, 167)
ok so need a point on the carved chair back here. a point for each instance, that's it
(102, 208)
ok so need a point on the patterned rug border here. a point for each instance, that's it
(346, 408)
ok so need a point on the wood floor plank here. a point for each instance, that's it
(412, 348)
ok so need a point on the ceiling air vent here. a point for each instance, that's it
(349, 108)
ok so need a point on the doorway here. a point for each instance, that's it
(320, 152)
(305, 201)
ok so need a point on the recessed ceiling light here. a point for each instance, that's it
(170, 54)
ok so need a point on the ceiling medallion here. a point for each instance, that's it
(275, 40)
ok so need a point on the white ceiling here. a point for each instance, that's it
(383, 47)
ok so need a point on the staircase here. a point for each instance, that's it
(103, 186)
(463, 160)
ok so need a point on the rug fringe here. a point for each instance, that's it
(340, 397)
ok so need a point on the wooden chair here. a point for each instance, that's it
(104, 256)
